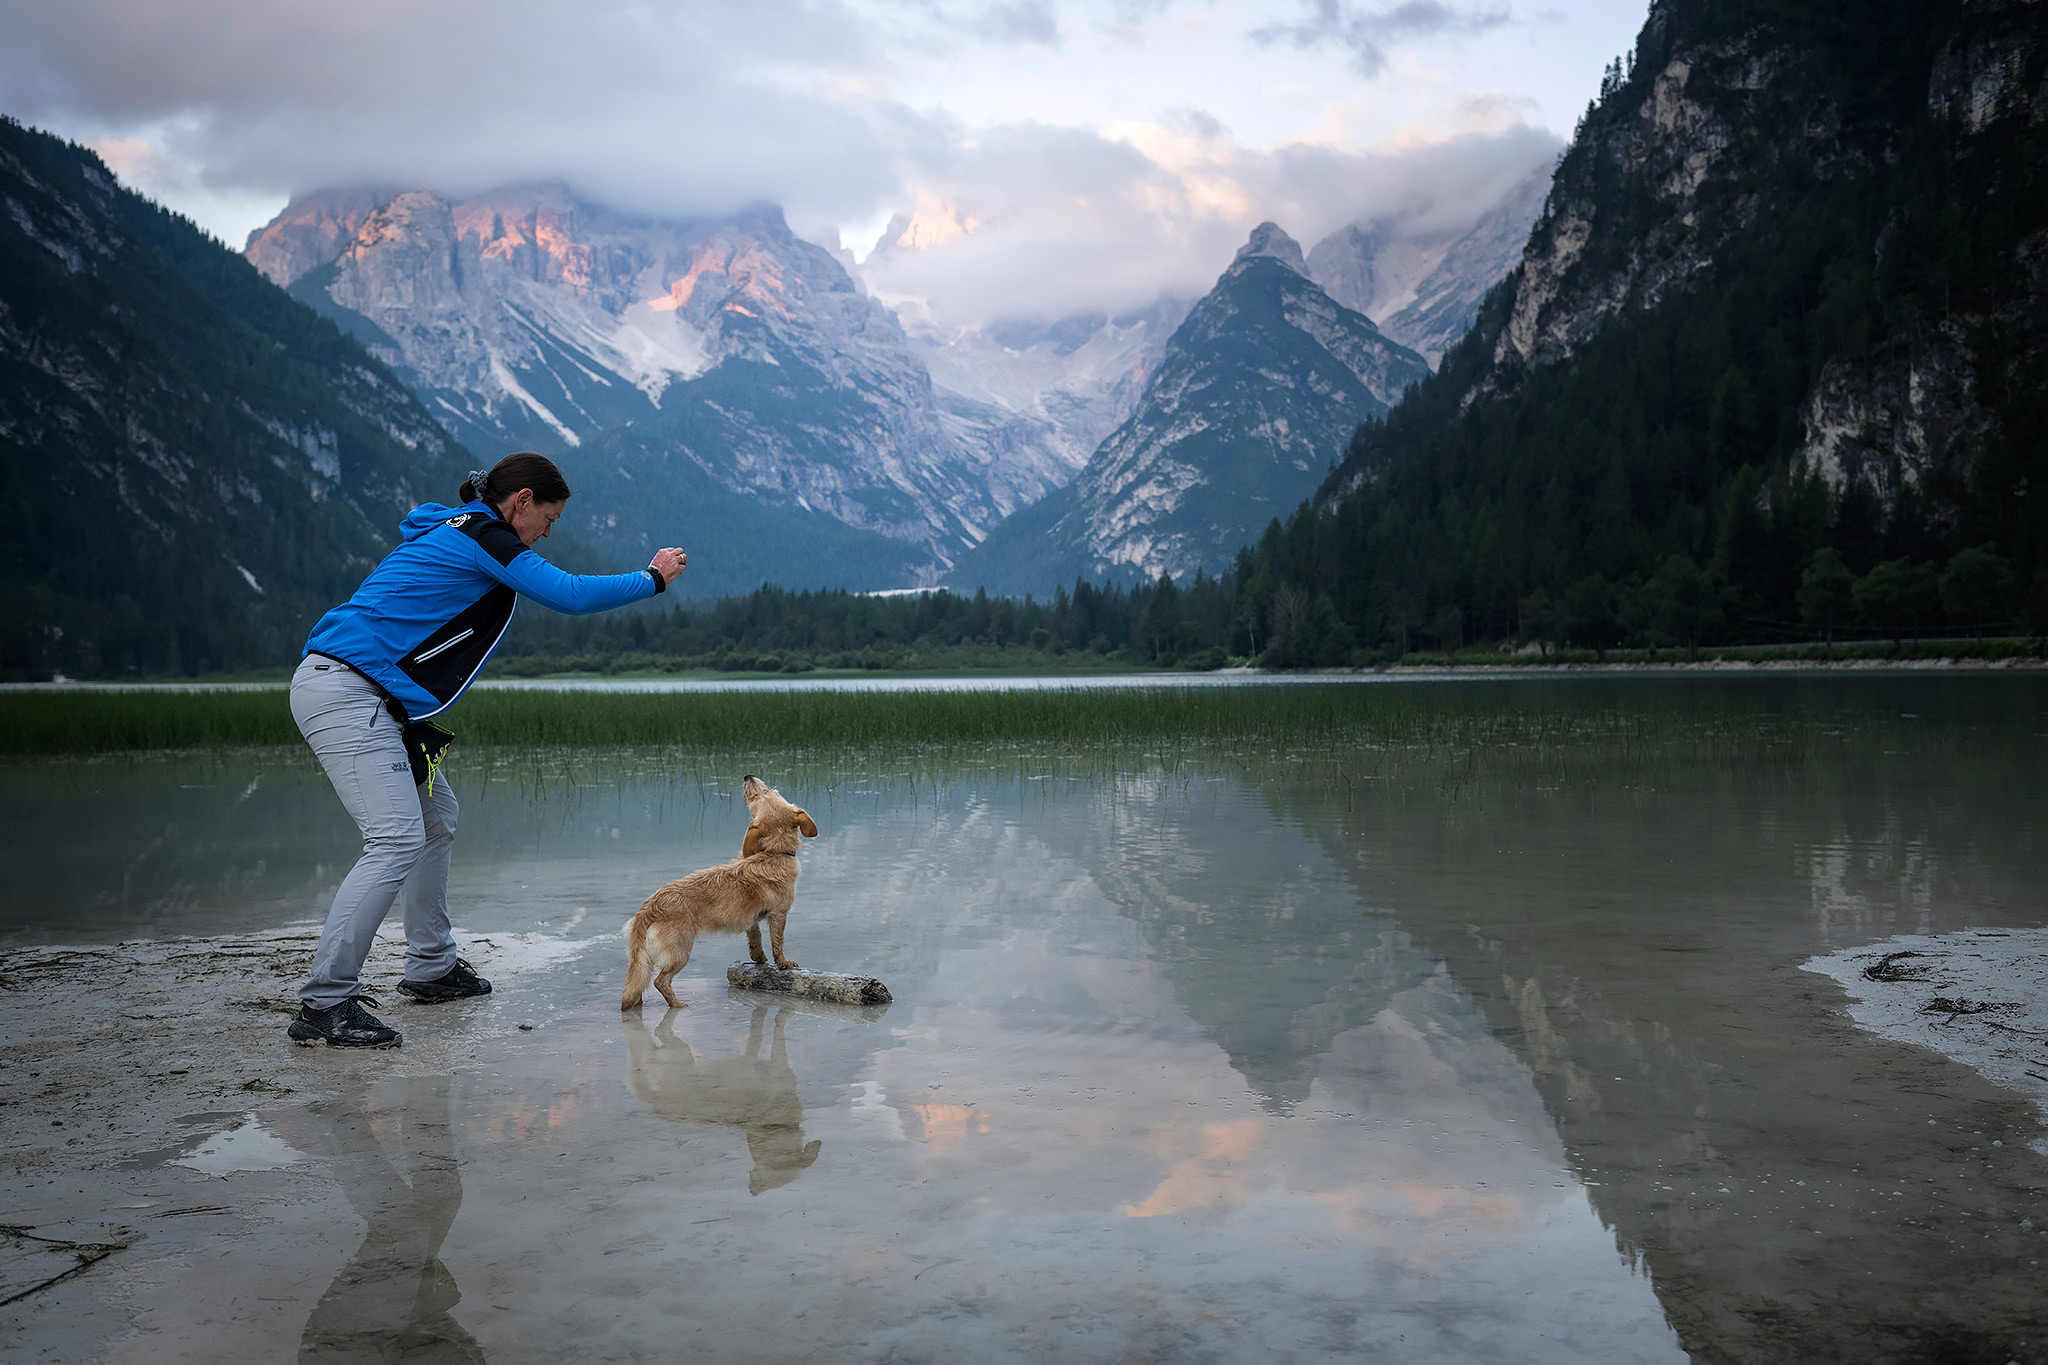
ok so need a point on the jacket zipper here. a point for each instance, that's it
(444, 646)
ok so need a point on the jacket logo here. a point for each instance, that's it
(462, 520)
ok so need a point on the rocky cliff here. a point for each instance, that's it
(311, 232)
(1249, 406)
(1917, 418)
(1715, 133)
(196, 466)
(1785, 294)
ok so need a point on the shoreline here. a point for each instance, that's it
(74, 1091)
(1976, 996)
(1100, 677)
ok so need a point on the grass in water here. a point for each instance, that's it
(1425, 737)
(111, 722)
(123, 722)
(819, 721)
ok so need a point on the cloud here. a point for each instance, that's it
(1037, 221)
(937, 26)
(839, 110)
(648, 104)
(1367, 33)
(1027, 21)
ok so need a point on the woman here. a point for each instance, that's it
(411, 641)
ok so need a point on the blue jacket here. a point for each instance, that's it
(428, 617)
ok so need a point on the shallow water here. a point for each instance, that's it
(1217, 1058)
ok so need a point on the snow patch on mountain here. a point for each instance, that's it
(1421, 284)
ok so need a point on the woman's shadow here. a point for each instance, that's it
(394, 1299)
(755, 1094)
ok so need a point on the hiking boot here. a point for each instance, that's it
(457, 983)
(348, 1024)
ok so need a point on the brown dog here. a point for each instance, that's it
(759, 884)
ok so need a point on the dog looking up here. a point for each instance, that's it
(759, 884)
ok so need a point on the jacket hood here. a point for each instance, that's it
(428, 515)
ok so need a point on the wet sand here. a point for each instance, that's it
(1979, 997)
(136, 1078)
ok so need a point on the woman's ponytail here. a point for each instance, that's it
(522, 470)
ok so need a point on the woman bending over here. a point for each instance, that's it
(402, 649)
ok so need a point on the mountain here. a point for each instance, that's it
(196, 465)
(1786, 296)
(1421, 285)
(687, 373)
(312, 231)
(1248, 408)
(1076, 377)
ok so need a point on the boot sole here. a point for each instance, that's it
(423, 997)
(317, 1039)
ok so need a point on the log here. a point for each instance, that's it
(844, 990)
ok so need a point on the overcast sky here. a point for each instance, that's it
(1049, 153)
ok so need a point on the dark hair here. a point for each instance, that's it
(509, 475)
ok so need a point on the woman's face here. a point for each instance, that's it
(532, 520)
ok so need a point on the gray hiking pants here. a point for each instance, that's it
(408, 834)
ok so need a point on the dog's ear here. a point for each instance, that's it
(805, 823)
(752, 843)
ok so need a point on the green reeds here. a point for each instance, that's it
(94, 722)
(108, 722)
(1710, 717)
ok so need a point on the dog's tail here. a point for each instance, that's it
(639, 971)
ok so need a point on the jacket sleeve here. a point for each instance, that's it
(573, 594)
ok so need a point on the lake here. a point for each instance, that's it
(1484, 1053)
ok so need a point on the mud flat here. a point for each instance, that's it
(1979, 997)
(137, 1077)
(102, 1046)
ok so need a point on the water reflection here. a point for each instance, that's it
(1796, 1188)
(1164, 1061)
(1221, 1061)
(755, 1094)
(394, 1299)
(173, 846)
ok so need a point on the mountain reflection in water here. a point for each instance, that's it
(1795, 1188)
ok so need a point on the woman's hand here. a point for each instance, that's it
(669, 563)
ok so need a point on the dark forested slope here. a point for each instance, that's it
(1779, 328)
(194, 465)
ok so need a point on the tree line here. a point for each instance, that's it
(1250, 615)
(775, 629)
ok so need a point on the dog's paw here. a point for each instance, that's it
(785, 964)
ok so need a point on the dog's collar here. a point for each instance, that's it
(773, 853)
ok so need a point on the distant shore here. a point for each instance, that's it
(1927, 656)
